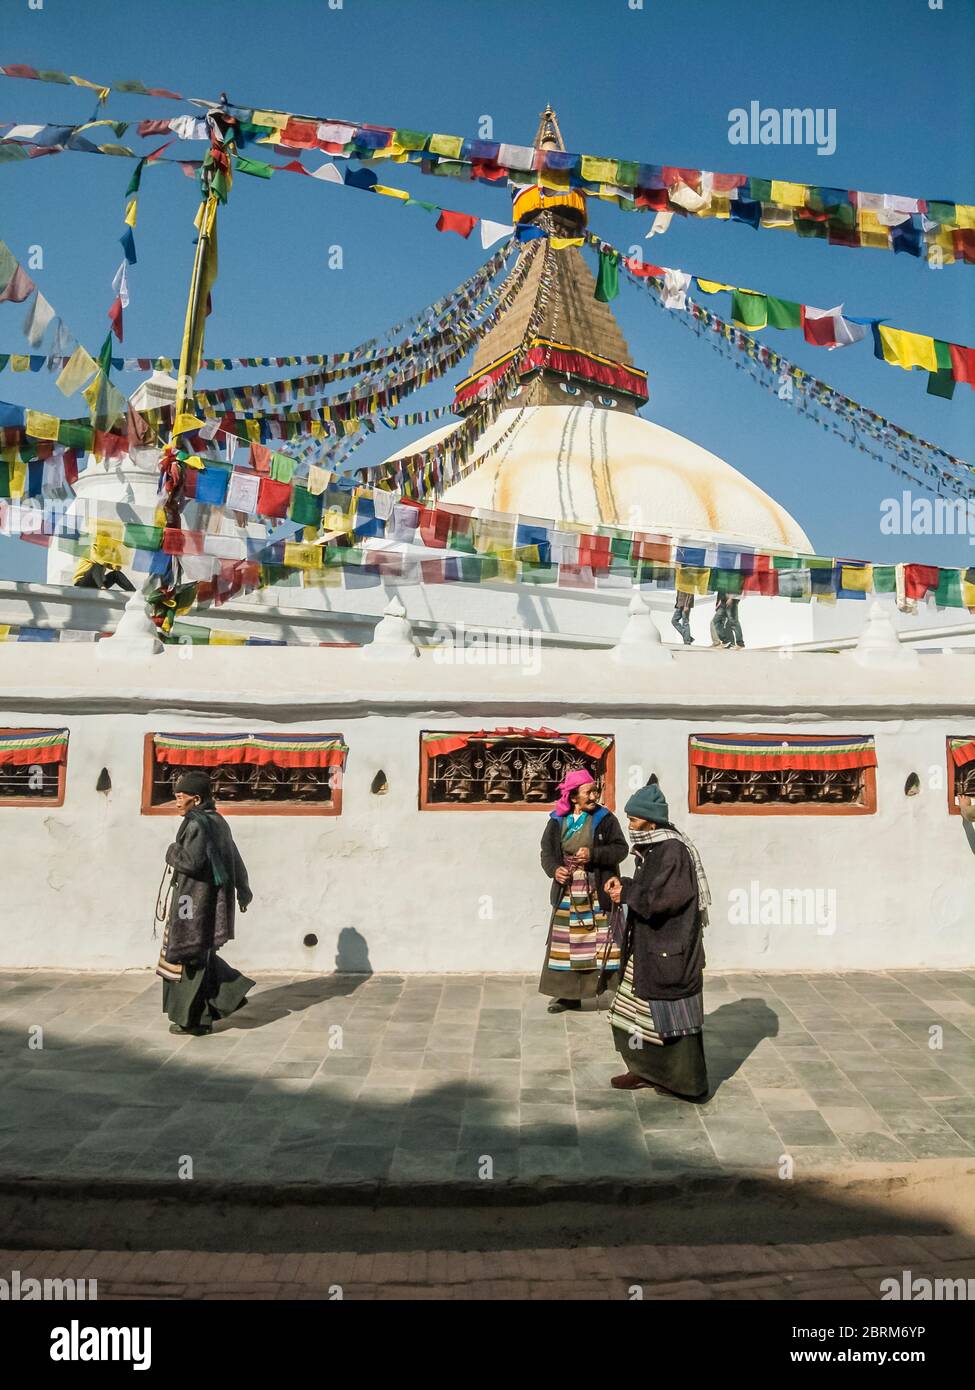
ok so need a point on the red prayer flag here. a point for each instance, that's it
(918, 579)
(115, 317)
(273, 498)
(260, 458)
(962, 363)
(458, 222)
(819, 330)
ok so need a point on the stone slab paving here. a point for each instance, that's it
(850, 1269)
(329, 1079)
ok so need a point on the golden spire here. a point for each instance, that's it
(548, 129)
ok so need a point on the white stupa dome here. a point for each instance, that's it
(590, 465)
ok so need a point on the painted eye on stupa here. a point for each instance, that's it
(516, 391)
(609, 402)
(569, 388)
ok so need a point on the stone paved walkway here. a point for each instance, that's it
(331, 1079)
(834, 1270)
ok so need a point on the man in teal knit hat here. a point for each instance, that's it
(659, 919)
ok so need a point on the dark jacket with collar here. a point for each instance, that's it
(201, 914)
(609, 849)
(665, 930)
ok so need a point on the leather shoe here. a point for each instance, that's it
(628, 1081)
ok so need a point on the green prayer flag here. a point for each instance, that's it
(136, 178)
(941, 384)
(608, 279)
(257, 167)
(141, 537)
(74, 434)
(760, 190)
(4, 479)
(4, 359)
(419, 203)
(189, 634)
(885, 579)
(105, 355)
(749, 310)
(282, 468)
(306, 508)
(627, 172)
(726, 581)
(411, 139)
(786, 562)
(948, 592)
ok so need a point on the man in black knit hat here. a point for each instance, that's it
(208, 880)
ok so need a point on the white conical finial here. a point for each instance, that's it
(392, 638)
(879, 646)
(136, 634)
(640, 643)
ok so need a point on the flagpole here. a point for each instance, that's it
(185, 379)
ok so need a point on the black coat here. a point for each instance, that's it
(665, 930)
(609, 849)
(201, 914)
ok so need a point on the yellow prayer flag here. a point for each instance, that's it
(447, 146)
(691, 580)
(859, 577)
(559, 243)
(253, 428)
(872, 231)
(302, 557)
(108, 526)
(788, 195)
(965, 215)
(131, 212)
(509, 571)
(40, 426)
(711, 286)
(4, 631)
(18, 479)
(907, 350)
(941, 247)
(554, 178)
(968, 594)
(106, 551)
(328, 578)
(19, 363)
(390, 192)
(719, 206)
(226, 639)
(79, 367)
(103, 92)
(595, 170)
(277, 119)
(185, 422)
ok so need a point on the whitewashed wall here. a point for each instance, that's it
(463, 890)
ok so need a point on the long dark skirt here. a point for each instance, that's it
(569, 984)
(209, 990)
(676, 1063)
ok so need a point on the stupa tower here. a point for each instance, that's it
(577, 353)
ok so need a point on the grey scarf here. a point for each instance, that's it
(650, 837)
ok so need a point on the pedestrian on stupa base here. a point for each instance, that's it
(208, 880)
(582, 846)
(660, 914)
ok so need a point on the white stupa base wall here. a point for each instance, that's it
(388, 887)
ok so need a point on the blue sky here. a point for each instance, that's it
(655, 84)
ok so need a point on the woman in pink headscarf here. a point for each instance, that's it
(582, 847)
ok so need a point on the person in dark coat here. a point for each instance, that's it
(208, 875)
(582, 846)
(661, 912)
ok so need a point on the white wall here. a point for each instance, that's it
(79, 881)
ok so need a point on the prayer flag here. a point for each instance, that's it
(608, 280)
(903, 349)
(458, 222)
(76, 372)
(748, 310)
(828, 328)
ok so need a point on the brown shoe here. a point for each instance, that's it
(629, 1081)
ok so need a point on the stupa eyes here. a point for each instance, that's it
(569, 388)
(608, 401)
